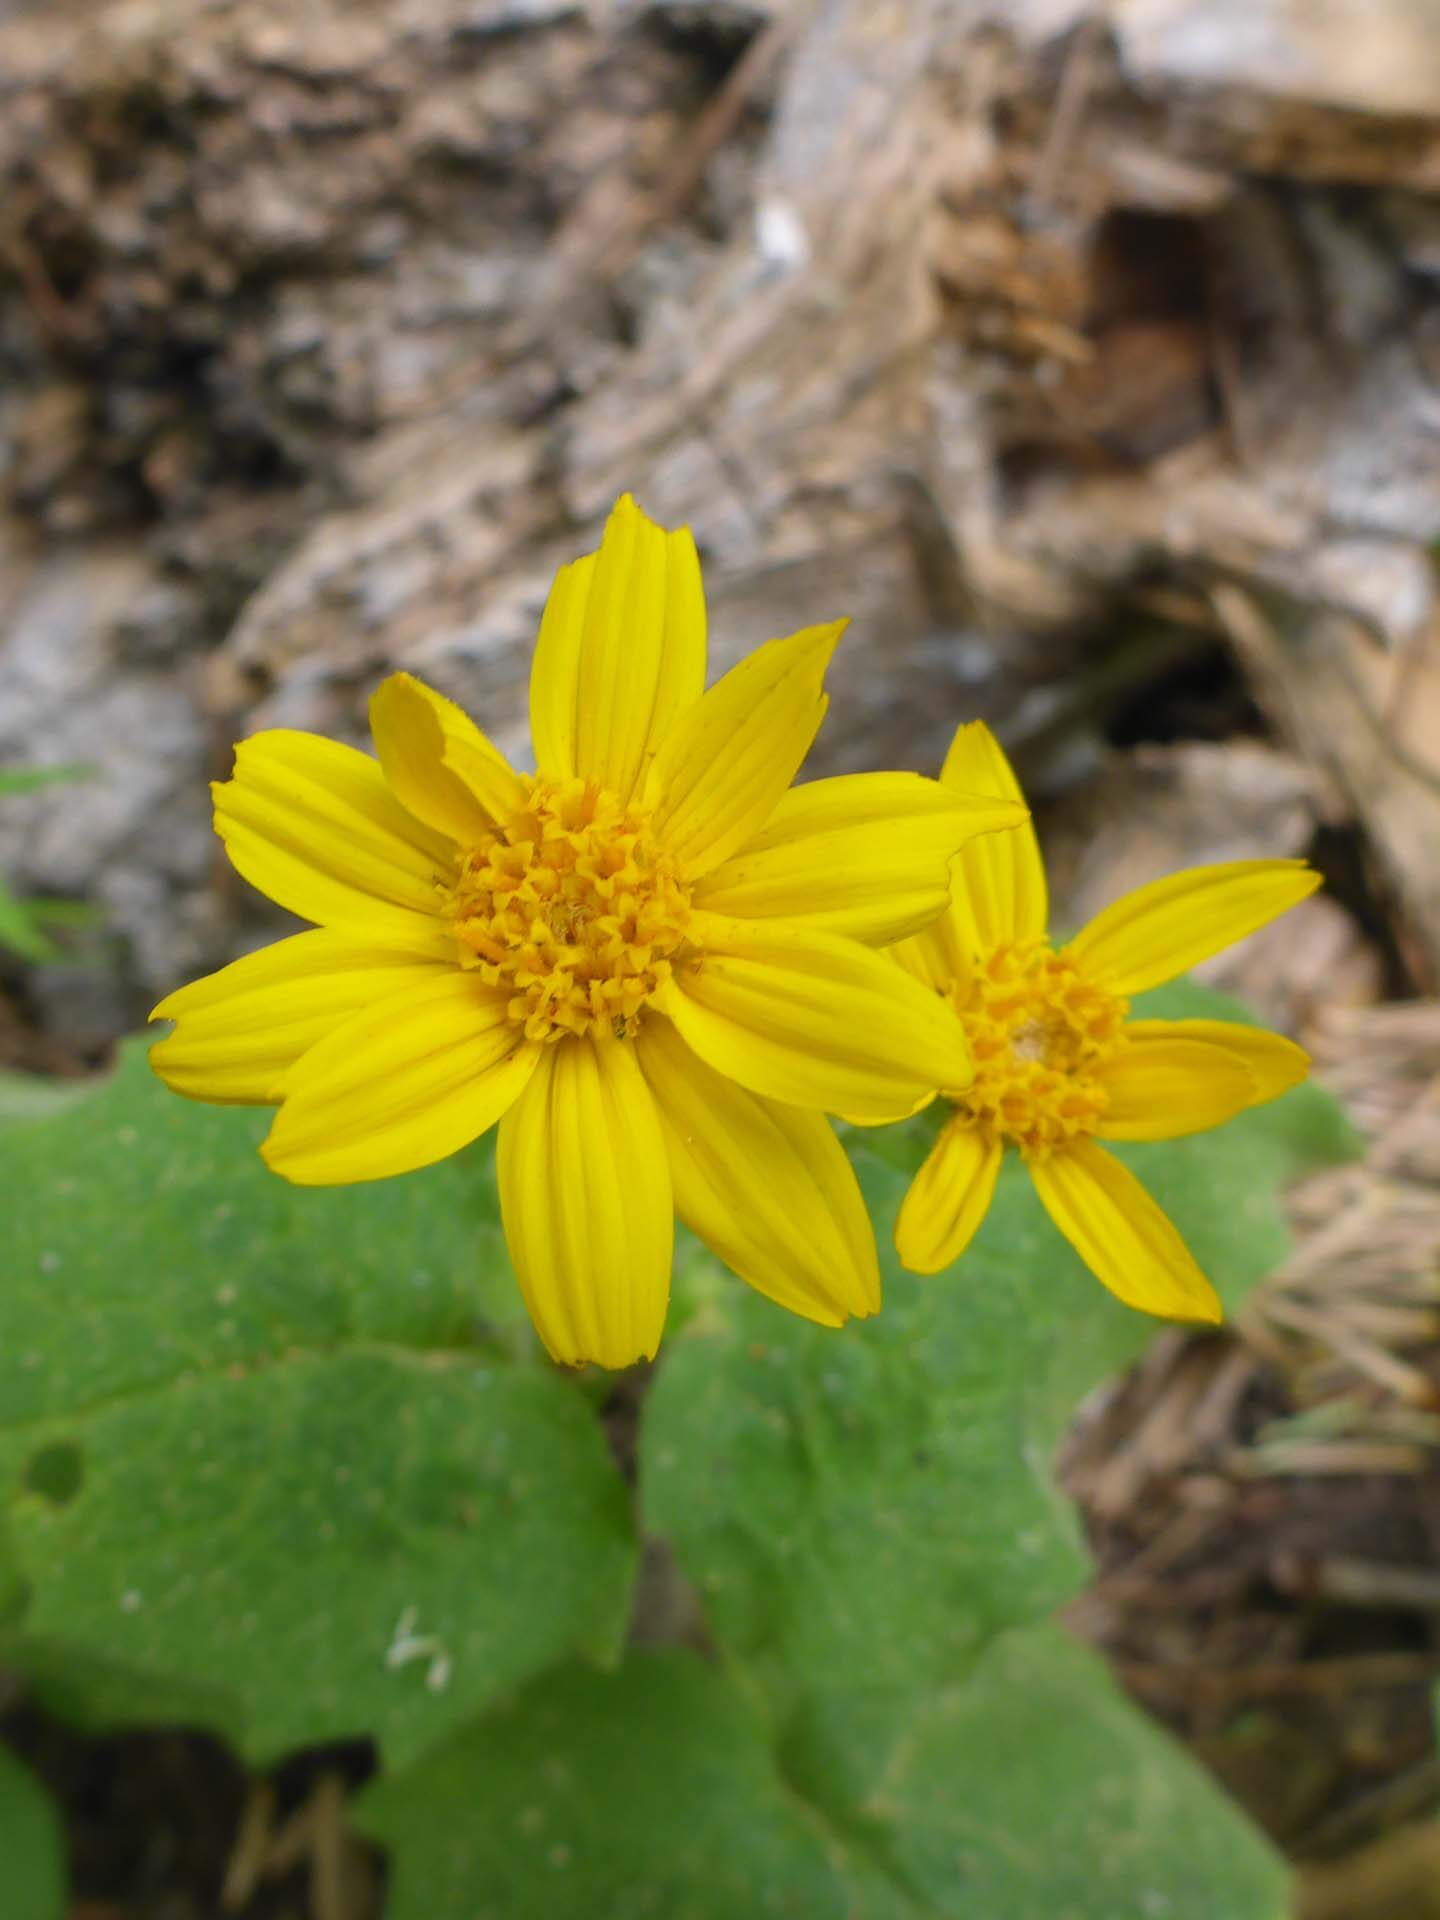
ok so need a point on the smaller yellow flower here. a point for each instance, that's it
(1058, 1063)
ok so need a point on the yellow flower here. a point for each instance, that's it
(1057, 1063)
(650, 963)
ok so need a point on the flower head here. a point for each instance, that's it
(1058, 1063)
(649, 962)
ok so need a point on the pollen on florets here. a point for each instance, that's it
(1039, 1033)
(575, 907)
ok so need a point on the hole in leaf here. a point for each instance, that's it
(56, 1472)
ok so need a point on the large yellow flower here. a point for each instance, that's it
(650, 962)
(1057, 1063)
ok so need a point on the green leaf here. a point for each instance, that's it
(31, 779)
(19, 931)
(29, 1846)
(863, 1513)
(1034, 1791)
(337, 1544)
(155, 1245)
(34, 1096)
(808, 1478)
(647, 1794)
(1031, 1791)
(23, 923)
(859, 1506)
(51, 911)
(266, 1459)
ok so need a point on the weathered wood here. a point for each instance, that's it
(994, 325)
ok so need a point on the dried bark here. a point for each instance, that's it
(1263, 1503)
(1039, 338)
(247, 252)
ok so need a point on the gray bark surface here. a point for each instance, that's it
(1048, 342)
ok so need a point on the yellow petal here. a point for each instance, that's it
(767, 1188)
(1275, 1063)
(418, 734)
(312, 824)
(621, 652)
(1162, 929)
(407, 1081)
(240, 1030)
(867, 855)
(585, 1197)
(1126, 1240)
(725, 763)
(999, 880)
(948, 1198)
(939, 955)
(1160, 1087)
(890, 1119)
(812, 1020)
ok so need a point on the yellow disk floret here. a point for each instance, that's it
(1039, 1033)
(575, 907)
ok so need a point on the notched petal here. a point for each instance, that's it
(1163, 929)
(767, 1187)
(948, 1198)
(408, 1081)
(438, 764)
(621, 653)
(812, 1020)
(864, 855)
(723, 766)
(586, 1201)
(1128, 1242)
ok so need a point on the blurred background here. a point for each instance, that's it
(1086, 352)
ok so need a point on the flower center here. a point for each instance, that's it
(1039, 1034)
(574, 907)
